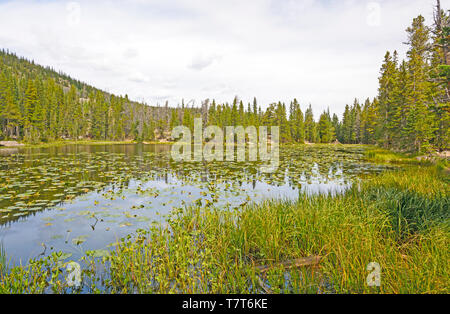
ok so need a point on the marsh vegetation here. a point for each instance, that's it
(136, 221)
(139, 223)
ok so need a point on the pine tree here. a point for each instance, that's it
(31, 114)
(347, 126)
(336, 126)
(440, 76)
(297, 122)
(241, 118)
(356, 130)
(255, 113)
(9, 109)
(421, 130)
(310, 129)
(325, 128)
(212, 114)
(234, 118)
(385, 97)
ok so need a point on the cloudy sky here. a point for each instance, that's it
(323, 52)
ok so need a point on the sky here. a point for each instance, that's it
(322, 52)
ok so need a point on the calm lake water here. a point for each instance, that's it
(85, 197)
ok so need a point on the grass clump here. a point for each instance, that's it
(2, 258)
(379, 155)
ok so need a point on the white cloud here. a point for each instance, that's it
(201, 61)
(324, 52)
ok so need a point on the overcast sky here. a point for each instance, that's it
(323, 52)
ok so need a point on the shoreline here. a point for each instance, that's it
(81, 142)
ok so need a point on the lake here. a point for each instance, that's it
(86, 197)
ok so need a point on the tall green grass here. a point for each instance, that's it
(401, 226)
(399, 220)
(2, 258)
(380, 155)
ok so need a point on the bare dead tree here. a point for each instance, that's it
(442, 23)
(440, 31)
(205, 105)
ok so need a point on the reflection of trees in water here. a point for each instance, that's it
(8, 151)
(115, 165)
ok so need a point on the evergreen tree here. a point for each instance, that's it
(421, 119)
(325, 128)
(310, 128)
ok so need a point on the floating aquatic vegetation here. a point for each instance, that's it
(121, 188)
(79, 240)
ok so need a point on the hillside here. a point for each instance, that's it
(39, 104)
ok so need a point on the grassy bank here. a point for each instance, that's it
(399, 220)
(380, 155)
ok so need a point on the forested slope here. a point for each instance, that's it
(410, 113)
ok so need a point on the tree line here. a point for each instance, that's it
(38, 104)
(410, 112)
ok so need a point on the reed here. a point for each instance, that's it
(2, 258)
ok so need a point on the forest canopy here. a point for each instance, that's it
(410, 112)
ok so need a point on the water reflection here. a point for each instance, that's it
(100, 193)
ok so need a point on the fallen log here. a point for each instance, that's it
(301, 262)
(264, 286)
(297, 263)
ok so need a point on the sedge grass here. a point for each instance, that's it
(2, 258)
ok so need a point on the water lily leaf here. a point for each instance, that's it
(79, 240)
(64, 256)
(98, 253)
